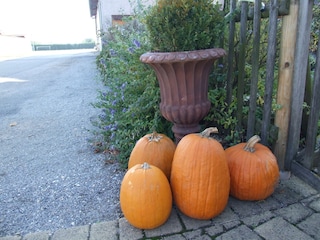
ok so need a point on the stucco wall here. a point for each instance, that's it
(113, 7)
(107, 8)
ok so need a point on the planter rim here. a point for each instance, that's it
(184, 56)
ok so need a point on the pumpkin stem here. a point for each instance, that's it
(206, 133)
(154, 137)
(145, 166)
(251, 142)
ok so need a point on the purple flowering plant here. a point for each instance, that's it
(130, 99)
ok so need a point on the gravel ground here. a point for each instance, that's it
(50, 177)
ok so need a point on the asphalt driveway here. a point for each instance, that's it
(49, 176)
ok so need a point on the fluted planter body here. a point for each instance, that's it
(183, 80)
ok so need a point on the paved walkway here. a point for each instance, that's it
(292, 212)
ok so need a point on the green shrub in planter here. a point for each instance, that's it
(184, 25)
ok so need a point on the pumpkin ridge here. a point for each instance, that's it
(156, 149)
(200, 177)
(254, 171)
(145, 196)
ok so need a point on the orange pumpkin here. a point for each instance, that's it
(200, 180)
(253, 169)
(156, 149)
(145, 196)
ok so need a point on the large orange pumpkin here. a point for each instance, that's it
(156, 149)
(253, 169)
(145, 196)
(200, 178)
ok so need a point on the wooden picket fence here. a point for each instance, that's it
(295, 19)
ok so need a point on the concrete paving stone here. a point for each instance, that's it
(241, 232)
(173, 225)
(231, 224)
(11, 238)
(214, 230)
(127, 231)
(294, 213)
(245, 208)
(308, 200)
(192, 234)
(286, 196)
(104, 230)
(299, 186)
(226, 216)
(174, 237)
(37, 236)
(196, 234)
(279, 229)
(269, 204)
(315, 205)
(311, 225)
(74, 233)
(254, 221)
(191, 223)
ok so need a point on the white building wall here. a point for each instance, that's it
(108, 8)
(113, 7)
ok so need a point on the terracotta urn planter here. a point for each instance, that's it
(183, 80)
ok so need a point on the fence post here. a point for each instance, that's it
(272, 48)
(242, 57)
(230, 70)
(299, 80)
(308, 160)
(255, 69)
(287, 50)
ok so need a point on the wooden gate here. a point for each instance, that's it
(295, 18)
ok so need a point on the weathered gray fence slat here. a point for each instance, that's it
(272, 48)
(255, 70)
(299, 76)
(308, 160)
(241, 65)
(283, 9)
(230, 70)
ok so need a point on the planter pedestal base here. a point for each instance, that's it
(180, 130)
(183, 80)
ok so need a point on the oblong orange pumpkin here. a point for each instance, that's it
(253, 170)
(156, 149)
(200, 179)
(145, 196)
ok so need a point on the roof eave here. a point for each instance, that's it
(93, 4)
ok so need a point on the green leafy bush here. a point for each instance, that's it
(315, 28)
(184, 25)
